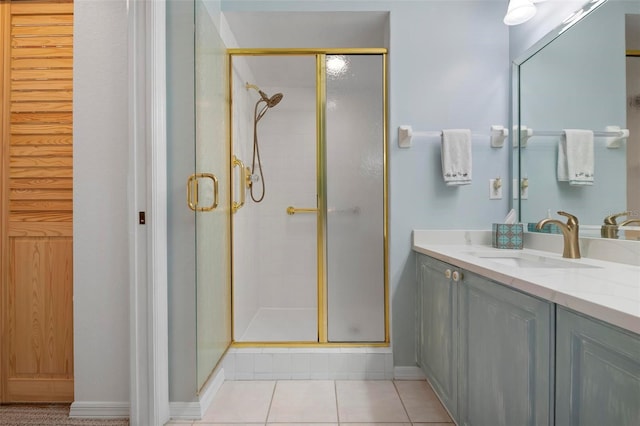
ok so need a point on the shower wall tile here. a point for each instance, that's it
(357, 363)
(245, 366)
(308, 363)
(229, 366)
(286, 243)
(388, 368)
(375, 363)
(264, 376)
(263, 363)
(300, 366)
(319, 366)
(282, 365)
(375, 376)
(339, 366)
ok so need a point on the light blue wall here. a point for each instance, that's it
(449, 68)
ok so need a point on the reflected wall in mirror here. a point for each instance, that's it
(580, 81)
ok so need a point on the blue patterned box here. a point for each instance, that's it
(549, 228)
(505, 236)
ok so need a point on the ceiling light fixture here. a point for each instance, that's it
(519, 11)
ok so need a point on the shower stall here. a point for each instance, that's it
(309, 196)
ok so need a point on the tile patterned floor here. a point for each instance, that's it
(324, 402)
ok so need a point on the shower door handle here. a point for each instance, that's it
(245, 181)
(293, 210)
(192, 192)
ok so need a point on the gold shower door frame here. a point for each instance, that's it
(320, 55)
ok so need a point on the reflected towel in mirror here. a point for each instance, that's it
(575, 157)
(456, 156)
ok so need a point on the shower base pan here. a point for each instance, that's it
(282, 325)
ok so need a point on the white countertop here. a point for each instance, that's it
(610, 291)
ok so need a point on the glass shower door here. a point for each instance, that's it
(275, 231)
(355, 175)
(209, 187)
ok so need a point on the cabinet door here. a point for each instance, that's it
(438, 330)
(597, 372)
(505, 356)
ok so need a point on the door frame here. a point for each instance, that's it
(322, 285)
(147, 192)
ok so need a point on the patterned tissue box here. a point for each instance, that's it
(506, 236)
(549, 228)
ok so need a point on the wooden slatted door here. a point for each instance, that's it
(37, 200)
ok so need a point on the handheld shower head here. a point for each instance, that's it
(274, 100)
(270, 101)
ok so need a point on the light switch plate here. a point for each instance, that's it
(494, 193)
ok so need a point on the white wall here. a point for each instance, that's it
(246, 284)
(100, 227)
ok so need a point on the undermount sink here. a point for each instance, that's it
(528, 260)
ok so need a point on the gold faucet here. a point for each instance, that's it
(630, 222)
(570, 233)
(610, 227)
(629, 234)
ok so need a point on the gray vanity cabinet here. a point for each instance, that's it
(485, 348)
(505, 353)
(438, 328)
(597, 372)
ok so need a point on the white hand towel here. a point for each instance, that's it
(456, 156)
(575, 157)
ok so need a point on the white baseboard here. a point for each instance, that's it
(196, 410)
(99, 409)
(210, 390)
(408, 373)
(185, 410)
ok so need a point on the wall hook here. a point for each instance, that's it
(404, 136)
(498, 135)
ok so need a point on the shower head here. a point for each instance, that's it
(270, 101)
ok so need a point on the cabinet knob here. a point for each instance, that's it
(447, 273)
(457, 276)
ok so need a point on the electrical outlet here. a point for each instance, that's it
(495, 189)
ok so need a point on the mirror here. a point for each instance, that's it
(579, 80)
